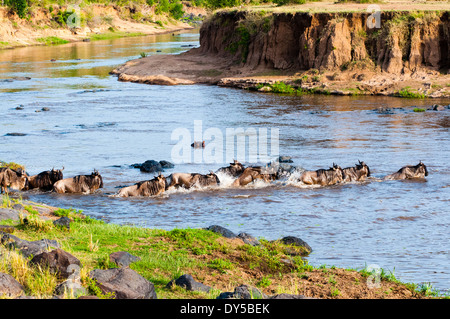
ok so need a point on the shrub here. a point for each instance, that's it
(20, 7)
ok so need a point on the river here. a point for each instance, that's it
(97, 122)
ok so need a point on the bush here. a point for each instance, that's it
(20, 7)
(176, 10)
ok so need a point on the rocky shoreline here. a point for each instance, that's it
(79, 257)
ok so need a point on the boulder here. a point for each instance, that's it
(71, 288)
(125, 283)
(243, 292)
(58, 262)
(295, 241)
(166, 164)
(222, 231)
(187, 282)
(151, 166)
(62, 222)
(123, 258)
(7, 213)
(28, 248)
(9, 286)
(248, 239)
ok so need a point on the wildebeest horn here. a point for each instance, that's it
(62, 168)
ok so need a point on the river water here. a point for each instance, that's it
(97, 122)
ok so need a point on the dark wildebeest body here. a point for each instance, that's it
(45, 180)
(251, 174)
(235, 169)
(152, 187)
(323, 177)
(188, 180)
(15, 179)
(79, 184)
(409, 172)
(357, 173)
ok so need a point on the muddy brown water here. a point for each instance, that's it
(94, 121)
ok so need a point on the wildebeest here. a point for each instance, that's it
(45, 180)
(253, 173)
(323, 177)
(79, 184)
(151, 187)
(409, 172)
(357, 173)
(188, 180)
(15, 179)
(235, 169)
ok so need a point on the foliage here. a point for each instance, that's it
(20, 7)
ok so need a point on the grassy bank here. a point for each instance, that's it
(216, 261)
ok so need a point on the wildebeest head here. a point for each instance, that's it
(363, 167)
(16, 179)
(213, 178)
(56, 174)
(235, 169)
(339, 171)
(421, 168)
(97, 178)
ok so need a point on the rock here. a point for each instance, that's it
(71, 288)
(243, 292)
(86, 40)
(187, 282)
(20, 107)
(123, 258)
(45, 109)
(125, 283)
(28, 248)
(222, 231)
(9, 286)
(9, 214)
(248, 239)
(285, 159)
(166, 164)
(62, 222)
(58, 262)
(295, 241)
(437, 107)
(15, 134)
(151, 166)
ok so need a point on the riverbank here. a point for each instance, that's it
(220, 263)
(313, 48)
(54, 25)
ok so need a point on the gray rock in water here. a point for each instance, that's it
(123, 258)
(166, 164)
(58, 262)
(285, 159)
(9, 286)
(187, 282)
(222, 231)
(15, 134)
(125, 283)
(151, 166)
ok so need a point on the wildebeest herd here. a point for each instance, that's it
(53, 180)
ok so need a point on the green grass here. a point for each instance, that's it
(52, 40)
(407, 92)
(114, 35)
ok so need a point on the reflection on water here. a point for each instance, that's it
(94, 121)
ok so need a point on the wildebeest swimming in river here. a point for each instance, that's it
(198, 144)
(79, 184)
(235, 169)
(253, 173)
(323, 177)
(409, 172)
(45, 180)
(357, 173)
(151, 187)
(15, 179)
(188, 180)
